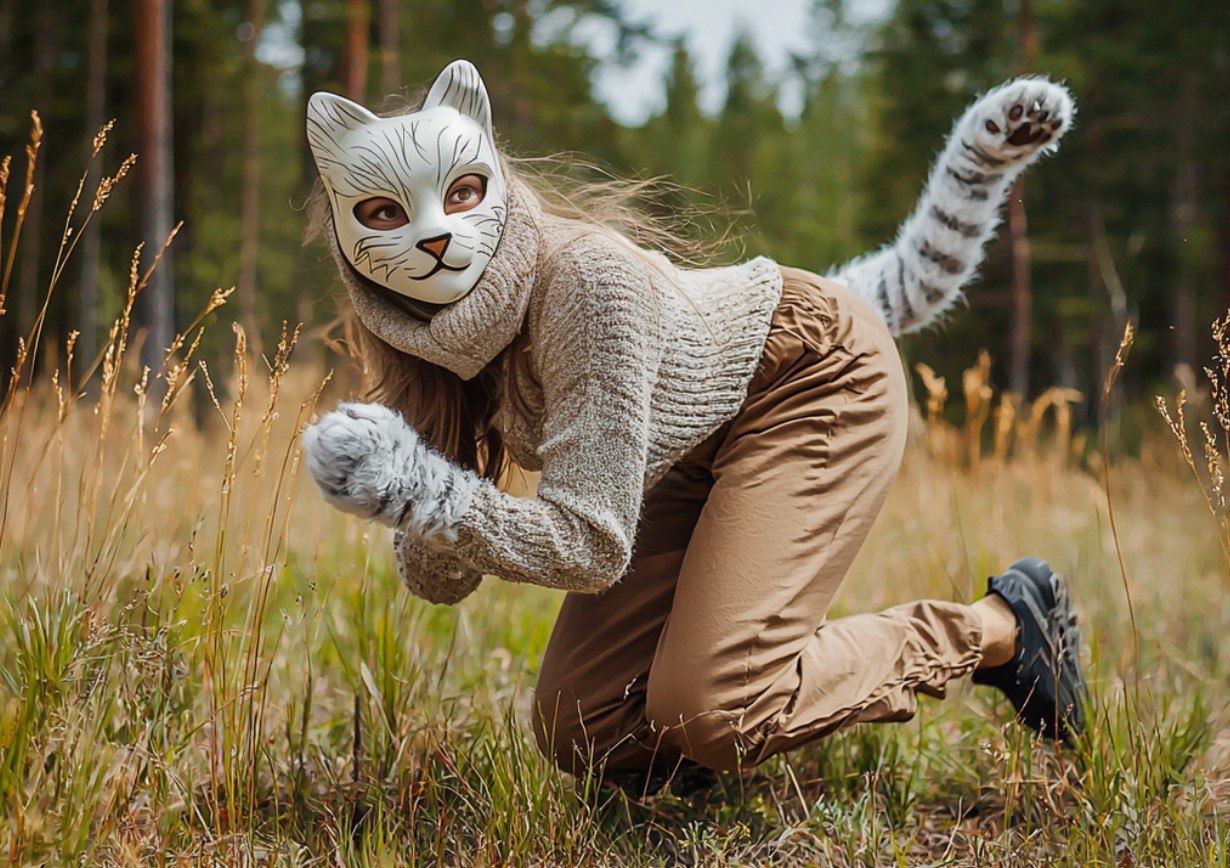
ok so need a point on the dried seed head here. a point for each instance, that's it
(937, 391)
(1219, 373)
(218, 299)
(100, 137)
(1213, 464)
(1177, 425)
(106, 185)
(1005, 419)
(1121, 355)
(5, 168)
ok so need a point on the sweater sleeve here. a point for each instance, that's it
(596, 351)
(435, 575)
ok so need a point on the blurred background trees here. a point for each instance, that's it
(1132, 220)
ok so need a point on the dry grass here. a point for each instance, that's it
(200, 662)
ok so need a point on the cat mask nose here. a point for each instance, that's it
(436, 246)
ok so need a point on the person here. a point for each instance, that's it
(714, 443)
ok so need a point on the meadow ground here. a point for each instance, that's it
(202, 660)
(202, 663)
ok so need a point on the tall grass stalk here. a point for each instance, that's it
(201, 663)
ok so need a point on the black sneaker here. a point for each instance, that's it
(1043, 681)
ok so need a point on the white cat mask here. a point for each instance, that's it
(403, 191)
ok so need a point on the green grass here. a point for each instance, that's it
(201, 663)
(197, 680)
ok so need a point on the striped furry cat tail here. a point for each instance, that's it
(938, 249)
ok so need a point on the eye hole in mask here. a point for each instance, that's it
(465, 193)
(380, 212)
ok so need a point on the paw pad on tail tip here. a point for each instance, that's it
(1022, 117)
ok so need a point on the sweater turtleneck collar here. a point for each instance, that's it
(466, 335)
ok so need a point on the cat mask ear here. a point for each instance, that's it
(329, 118)
(459, 86)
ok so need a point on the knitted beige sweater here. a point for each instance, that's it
(634, 363)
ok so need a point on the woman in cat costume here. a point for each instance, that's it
(714, 444)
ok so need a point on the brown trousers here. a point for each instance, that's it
(714, 646)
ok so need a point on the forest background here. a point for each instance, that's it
(1131, 221)
(201, 662)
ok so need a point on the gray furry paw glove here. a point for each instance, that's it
(369, 462)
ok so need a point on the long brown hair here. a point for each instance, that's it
(456, 416)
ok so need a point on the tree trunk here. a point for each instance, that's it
(1224, 246)
(29, 293)
(390, 58)
(1183, 223)
(1018, 233)
(249, 231)
(8, 16)
(95, 117)
(156, 305)
(358, 21)
(1022, 292)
